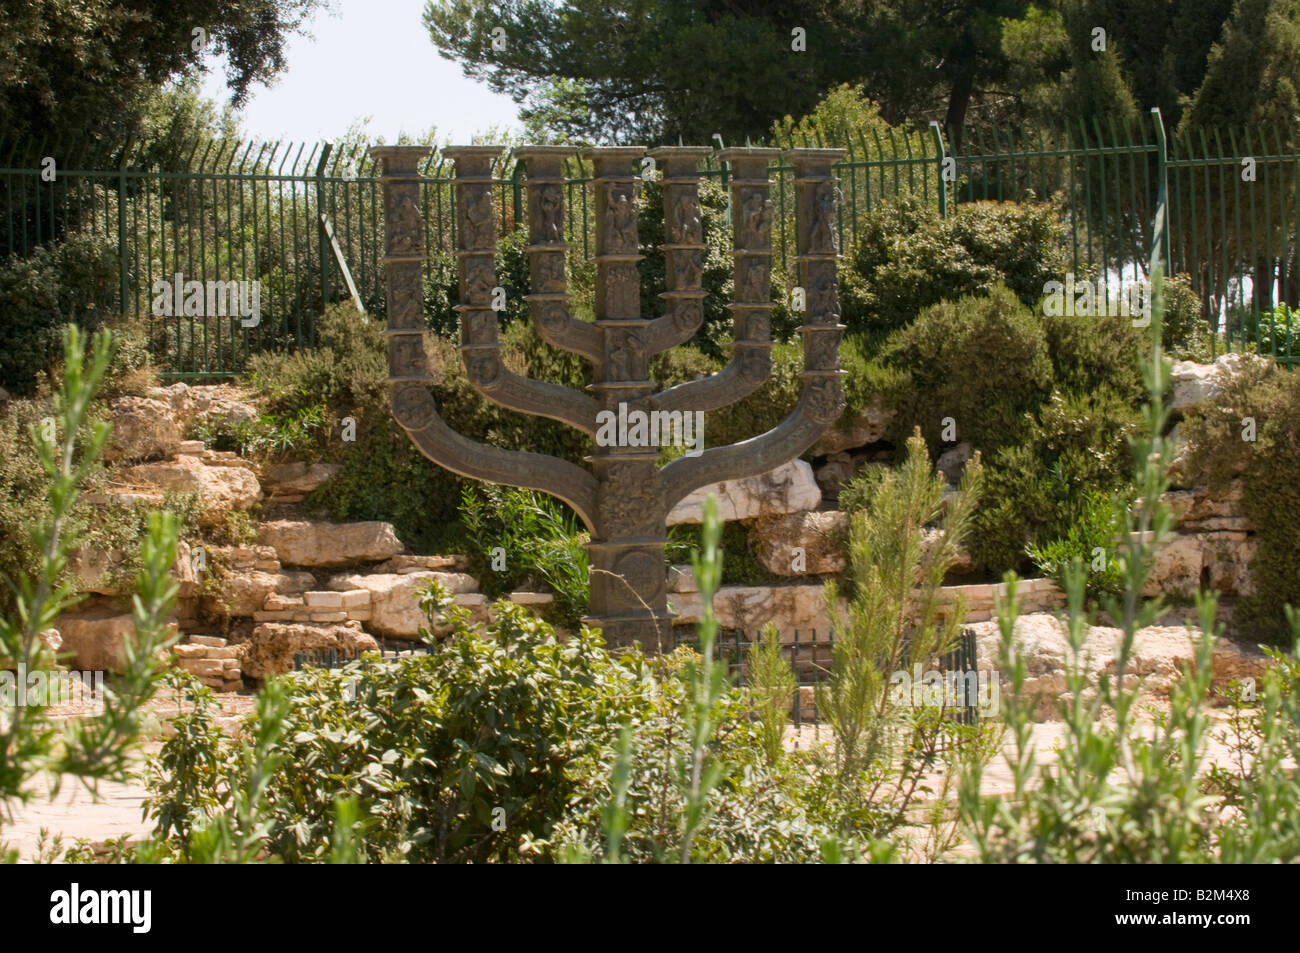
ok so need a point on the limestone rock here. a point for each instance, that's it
(244, 593)
(271, 648)
(1193, 507)
(304, 543)
(867, 428)
(1196, 384)
(531, 598)
(404, 563)
(1220, 559)
(682, 579)
(297, 478)
(797, 544)
(394, 603)
(1177, 568)
(1234, 661)
(962, 561)
(1228, 556)
(97, 638)
(789, 488)
(952, 462)
(1158, 657)
(838, 470)
(749, 608)
(183, 572)
(143, 428)
(223, 488)
(91, 566)
(205, 403)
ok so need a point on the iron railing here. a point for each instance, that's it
(811, 658)
(305, 221)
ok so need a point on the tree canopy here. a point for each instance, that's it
(656, 70)
(89, 69)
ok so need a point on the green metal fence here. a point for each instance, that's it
(305, 221)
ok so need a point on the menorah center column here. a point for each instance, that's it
(626, 553)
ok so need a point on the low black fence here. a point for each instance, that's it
(811, 658)
(337, 658)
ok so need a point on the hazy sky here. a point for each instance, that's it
(367, 58)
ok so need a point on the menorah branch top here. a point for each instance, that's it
(625, 496)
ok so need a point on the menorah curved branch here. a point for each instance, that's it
(625, 498)
(480, 461)
(751, 362)
(480, 346)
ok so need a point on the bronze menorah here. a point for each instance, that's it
(625, 497)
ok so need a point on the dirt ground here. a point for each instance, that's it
(114, 809)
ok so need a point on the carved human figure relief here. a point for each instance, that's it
(408, 228)
(687, 225)
(480, 327)
(549, 273)
(550, 205)
(825, 400)
(480, 277)
(754, 287)
(625, 358)
(758, 218)
(407, 356)
(823, 237)
(478, 220)
(621, 212)
(406, 298)
(688, 274)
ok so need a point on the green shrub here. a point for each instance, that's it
(461, 755)
(384, 476)
(859, 493)
(740, 565)
(867, 378)
(1269, 469)
(1087, 533)
(542, 542)
(1185, 331)
(105, 522)
(1089, 354)
(1035, 491)
(983, 361)
(72, 281)
(499, 745)
(907, 258)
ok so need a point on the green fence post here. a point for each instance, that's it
(123, 289)
(1160, 251)
(327, 148)
(941, 157)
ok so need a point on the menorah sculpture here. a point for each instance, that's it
(625, 497)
